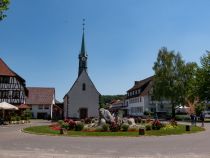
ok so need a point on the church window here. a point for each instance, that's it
(83, 87)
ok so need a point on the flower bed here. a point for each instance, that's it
(180, 129)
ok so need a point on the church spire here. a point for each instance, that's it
(83, 54)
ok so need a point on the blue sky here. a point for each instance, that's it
(41, 39)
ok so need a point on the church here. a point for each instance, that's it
(82, 100)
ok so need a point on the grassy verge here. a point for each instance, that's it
(180, 129)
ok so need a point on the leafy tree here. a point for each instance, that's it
(189, 80)
(3, 6)
(104, 99)
(199, 108)
(169, 69)
(203, 78)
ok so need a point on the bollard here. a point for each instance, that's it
(141, 131)
(187, 127)
(63, 131)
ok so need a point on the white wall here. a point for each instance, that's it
(35, 110)
(77, 98)
(139, 103)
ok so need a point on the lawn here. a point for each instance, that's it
(180, 129)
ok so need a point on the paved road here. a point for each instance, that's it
(14, 143)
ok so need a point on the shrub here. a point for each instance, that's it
(61, 122)
(169, 126)
(114, 127)
(65, 125)
(148, 127)
(173, 122)
(71, 123)
(79, 126)
(125, 127)
(23, 117)
(17, 118)
(156, 125)
(27, 114)
(132, 129)
(105, 127)
(13, 118)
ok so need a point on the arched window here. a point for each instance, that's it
(83, 87)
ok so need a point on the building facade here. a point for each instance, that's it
(140, 100)
(82, 100)
(12, 87)
(41, 100)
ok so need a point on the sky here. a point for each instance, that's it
(41, 39)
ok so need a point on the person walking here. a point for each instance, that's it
(202, 117)
(192, 117)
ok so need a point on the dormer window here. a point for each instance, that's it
(83, 86)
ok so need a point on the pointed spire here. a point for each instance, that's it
(83, 52)
(83, 55)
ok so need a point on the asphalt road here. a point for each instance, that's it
(16, 144)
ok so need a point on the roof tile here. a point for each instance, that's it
(40, 95)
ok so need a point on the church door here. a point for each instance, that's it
(83, 113)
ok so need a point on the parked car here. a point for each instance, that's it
(207, 114)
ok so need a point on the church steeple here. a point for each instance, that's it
(83, 53)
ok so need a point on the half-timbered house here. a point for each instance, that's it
(12, 86)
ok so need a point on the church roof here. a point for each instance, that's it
(85, 73)
(40, 95)
(6, 71)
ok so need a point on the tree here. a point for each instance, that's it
(203, 78)
(3, 6)
(190, 86)
(104, 99)
(168, 78)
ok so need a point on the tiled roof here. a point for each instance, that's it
(117, 102)
(40, 95)
(139, 84)
(145, 86)
(23, 106)
(6, 71)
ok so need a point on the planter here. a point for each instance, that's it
(141, 131)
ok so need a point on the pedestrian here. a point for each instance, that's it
(202, 117)
(192, 119)
(195, 119)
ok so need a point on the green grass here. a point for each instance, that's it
(180, 129)
(41, 130)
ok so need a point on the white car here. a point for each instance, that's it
(207, 114)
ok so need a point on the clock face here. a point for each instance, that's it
(83, 58)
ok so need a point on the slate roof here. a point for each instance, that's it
(40, 95)
(6, 71)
